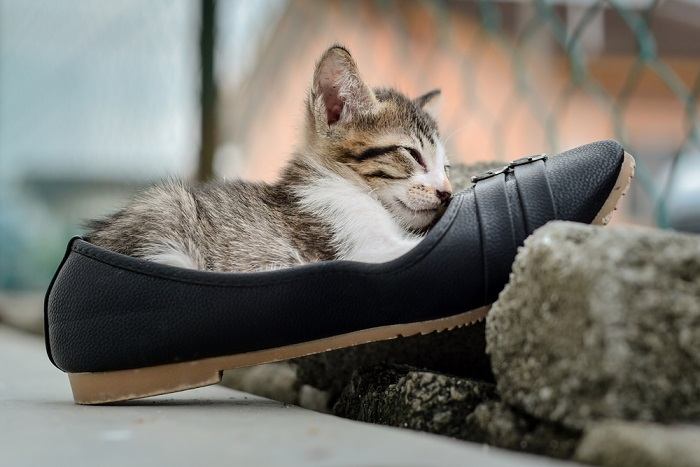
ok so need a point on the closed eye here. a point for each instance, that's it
(378, 151)
(416, 156)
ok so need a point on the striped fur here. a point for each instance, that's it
(365, 184)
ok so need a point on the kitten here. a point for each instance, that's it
(365, 185)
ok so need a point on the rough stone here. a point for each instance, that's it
(636, 444)
(460, 352)
(600, 323)
(276, 381)
(497, 424)
(403, 396)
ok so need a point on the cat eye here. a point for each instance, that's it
(447, 169)
(415, 155)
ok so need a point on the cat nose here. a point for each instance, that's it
(443, 196)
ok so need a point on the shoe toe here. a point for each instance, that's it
(583, 178)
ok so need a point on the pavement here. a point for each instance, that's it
(40, 425)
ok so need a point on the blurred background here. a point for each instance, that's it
(98, 99)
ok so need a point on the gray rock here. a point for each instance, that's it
(460, 352)
(600, 323)
(402, 396)
(497, 424)
(405, 397)
(276, 381)
(635, 444)
(313, 399)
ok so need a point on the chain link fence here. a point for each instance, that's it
(637, 17)
(97, 102)
(517, 77)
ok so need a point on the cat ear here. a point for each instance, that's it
(422, 101)
(338, 92)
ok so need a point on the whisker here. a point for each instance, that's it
(454, 132)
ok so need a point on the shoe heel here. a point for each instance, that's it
(114, 386)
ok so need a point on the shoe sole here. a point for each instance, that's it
(122, 385)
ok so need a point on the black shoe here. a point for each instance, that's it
(125, 328)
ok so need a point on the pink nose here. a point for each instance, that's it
(443, 195)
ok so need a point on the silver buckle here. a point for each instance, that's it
(509, 167)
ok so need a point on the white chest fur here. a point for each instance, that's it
(363, 230)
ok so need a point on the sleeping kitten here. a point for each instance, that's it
(367, 182)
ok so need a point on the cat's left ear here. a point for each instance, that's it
(425, 99)
(338, 93)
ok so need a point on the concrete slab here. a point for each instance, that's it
(40, 425)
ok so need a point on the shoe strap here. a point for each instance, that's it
(509, 208)
(498, 239)
(535, 194)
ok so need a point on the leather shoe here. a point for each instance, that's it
(124, 328)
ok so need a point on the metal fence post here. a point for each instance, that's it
(208, 92)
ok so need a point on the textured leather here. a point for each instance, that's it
(105, 311)
(535, 194)
(580, 193)
(497, 233)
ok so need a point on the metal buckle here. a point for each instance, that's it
(489, 174)
(509, 167)
(528, 159)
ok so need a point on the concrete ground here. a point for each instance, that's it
(40, 425)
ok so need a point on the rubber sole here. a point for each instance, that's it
(622, 184)
(122, 385)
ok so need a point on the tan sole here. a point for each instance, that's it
(114, 386)
(622, 184)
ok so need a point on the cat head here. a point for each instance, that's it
(379, 138)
